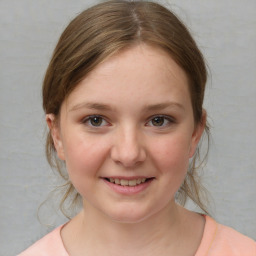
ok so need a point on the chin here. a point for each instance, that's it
(131, 216)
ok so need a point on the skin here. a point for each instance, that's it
(144, 128)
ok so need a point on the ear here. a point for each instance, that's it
(56, 136)
(197, 134)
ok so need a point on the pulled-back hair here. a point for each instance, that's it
(100, 32)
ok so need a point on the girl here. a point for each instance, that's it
(123, 98)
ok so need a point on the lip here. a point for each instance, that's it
(128, 190)
(127, 178)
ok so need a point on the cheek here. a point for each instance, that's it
(84, 158)
(171, 159)
(171, 154)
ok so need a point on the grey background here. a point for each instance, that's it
(226, 32)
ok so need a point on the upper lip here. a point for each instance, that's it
(128, 178)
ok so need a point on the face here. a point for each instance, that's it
(126, 134)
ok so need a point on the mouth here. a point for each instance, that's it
(129, 182)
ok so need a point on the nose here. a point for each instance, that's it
(128, 149)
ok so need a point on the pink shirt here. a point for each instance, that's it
(217, 240)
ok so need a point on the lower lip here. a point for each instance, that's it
(128, 190)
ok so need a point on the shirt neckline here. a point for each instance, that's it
(209, 234)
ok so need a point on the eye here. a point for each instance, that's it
(160, 121)
(95, 121)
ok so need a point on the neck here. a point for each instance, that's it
(159, 234)
(111, 232)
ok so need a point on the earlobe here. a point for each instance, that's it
(197, 134)
(56, 136)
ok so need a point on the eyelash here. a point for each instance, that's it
(89, 119)
(167, 120)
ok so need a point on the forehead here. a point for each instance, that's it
(141, 57)
(137, 74)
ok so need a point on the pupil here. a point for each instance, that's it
(96, 121)
(158, 121)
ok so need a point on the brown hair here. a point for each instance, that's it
(103, 30)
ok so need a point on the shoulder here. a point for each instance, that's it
(223, 240)
(233, 242)
(49, 245)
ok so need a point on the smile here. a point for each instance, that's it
(124, 182)
(128, 185)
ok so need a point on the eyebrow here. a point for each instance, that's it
(91, 105)
(105, 107)
(164, 105)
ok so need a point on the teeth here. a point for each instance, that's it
(130, 183)
(124, 182)
(117, 181)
